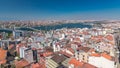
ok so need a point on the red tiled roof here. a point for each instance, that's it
(109, 37)
(76, 63)
(45, 54)
(95, 54)
(66, 54)
(77, 39)
(36, 65)
(85, 49)
(42, 65)
(42, 62)
(2, 54)
(79, 64)
(92, 50)
(20, 64)
(85, 33)
(3, 61)
(97, 38)
(107, 56)
(71, 50)
(100, 36)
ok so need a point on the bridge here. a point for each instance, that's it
(18, 29)
(26, 29)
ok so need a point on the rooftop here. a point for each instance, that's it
(36, 65)
(58, 58)
(85, 49)
(80, 64)
(107, 56)
(109, 37)
(20, 64)
(3, 54)
(76, 63)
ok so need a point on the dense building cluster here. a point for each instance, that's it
(61, 48)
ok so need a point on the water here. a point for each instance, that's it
(51, 27)
(68, 25)
(6, 30)
(25, 29)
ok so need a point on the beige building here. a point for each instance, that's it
(81, 56)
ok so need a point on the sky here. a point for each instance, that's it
(59, 9)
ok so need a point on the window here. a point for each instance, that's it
(83, 58)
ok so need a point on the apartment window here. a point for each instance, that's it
(83, 58)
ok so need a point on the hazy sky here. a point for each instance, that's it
(59, 9)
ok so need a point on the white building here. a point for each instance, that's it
(22, 52)
(101, 62)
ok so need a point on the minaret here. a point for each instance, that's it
(54, 46)
(58, 47)
(13, 28)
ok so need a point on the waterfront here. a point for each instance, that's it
(50, 27)
(59, 26)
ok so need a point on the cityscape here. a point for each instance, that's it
(59, 34)
(94, 45)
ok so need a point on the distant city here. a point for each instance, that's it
(59, 33)
(60, 44)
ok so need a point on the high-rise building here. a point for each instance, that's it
(17, 34)
(35, 56)
(22, 52)
(28, 55)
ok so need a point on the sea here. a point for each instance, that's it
(51, 27)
